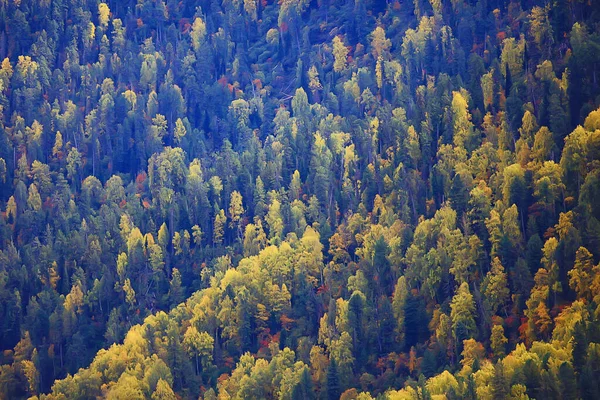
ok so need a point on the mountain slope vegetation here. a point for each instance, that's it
(299, 199)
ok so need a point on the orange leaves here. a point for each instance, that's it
(139, 181)
(223, 81)
(184, 25)
(223, 377)
(287, 322)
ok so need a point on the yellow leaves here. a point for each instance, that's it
(127, 387)
(542, 319)
(512, 55)
(6, 72)
(74, 300)
(134, 242)
(498, 341)
(581, 276)
(180, 130)
(567, 319)
(131, 99)
(200, 343)
(103, 15)
(311, 249)
(34, 201)
(261, 316)
(313, 77)
(487, 86)
(273, 37)
(462, 311)
(218, 227)
(380, 45)
(25, 66)
(122, 265)
(340, 54)
(351, 87)
(442, 383)
(129, 293)
(163, 391)
(34, 133)
(32, 375)
(408, 393)
(198, 33)
(58, 144)
(341, 350)
(472, 350)
(495, 286)
(53, 275)
(559, 351)
(592, 121)
(90, 33)
(319, 363)
(159, 126)
(236, 208)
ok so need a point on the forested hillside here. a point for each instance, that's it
(300, 199)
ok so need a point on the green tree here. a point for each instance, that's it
(463, 314)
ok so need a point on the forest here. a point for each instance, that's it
(300, 199)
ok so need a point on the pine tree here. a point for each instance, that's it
(568, 381)
(333, 381)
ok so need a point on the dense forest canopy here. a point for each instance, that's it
(296, 199)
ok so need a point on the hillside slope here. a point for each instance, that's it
(299, 199)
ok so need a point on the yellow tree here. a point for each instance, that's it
(198, 33)
(581, 276)
(218, 227)
(380, 45)
(103, 15)
(495, 287)
(463, 313)
(236, 210)
(340, 54)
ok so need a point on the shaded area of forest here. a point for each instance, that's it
(299, 199)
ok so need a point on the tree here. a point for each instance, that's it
(500, 384)
(333, 381)
(74, 163)
(464, 134)
(236, 210)
(304, 390)
(380, 45)
(163, 391)
(340, 53)
(176, 293)
(218, 226)
(541, 29)
(543, 145)
(568, 381)
(275, 222)
(103, 15)
(495, 287)
(198, 33)
(581, 276)
(472, 353)
(398, 303)
(498, 342)
(255, 239)
(463, 314)
(200, 346)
